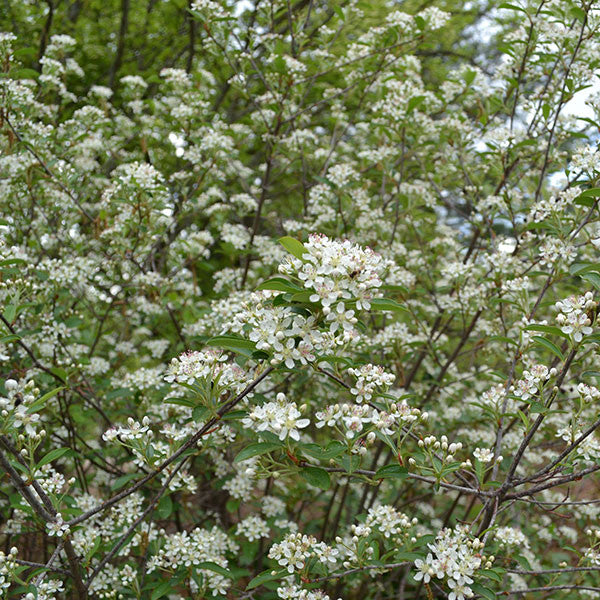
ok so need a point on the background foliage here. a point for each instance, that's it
(299, 299)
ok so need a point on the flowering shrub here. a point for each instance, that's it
(299, 301)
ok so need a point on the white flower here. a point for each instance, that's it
(280, 417)
(485, 455)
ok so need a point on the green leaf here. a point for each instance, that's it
(280, 284)
(122, 481)
(293, 246)
(546, 329)
(233, 343)
(524, 418)
(11, 261)
(317, 477)
(387, 304)
(200, 413)
(39, 403)
(509, 6)
(162, 590)
(408, 556)
(10, 312)
(542, 341)
(584, 201)
(592, 193)
(165, 507)
(181, 402)
(491, 575)
(24, 74)
(546, 109)
(537, 407)
(392, 472)
(579, 268)
(232, 505)
(593, 278)
(414, 102)
(211, 566)
(256, 450)
(333, 449)
(483, 591)
(303, 297)
(420, 22)
(234, 415)
(503, 339)
(264, 577)
(52, 455)
(12, 337)
(586, 198)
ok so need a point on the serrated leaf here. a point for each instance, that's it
(392, 472)
(413, 103)
(584, 201)
(52, 455)
(387, 304)
(303, 296)
(165, 507)
(503, 339)
(408, 556)
(181, 402)
(10, 312)
(234, 415)
(264, 577)
(317, 477)
(9, 338)
(483, 591)
(39, 403)
(122, 480)
(280, 284)
(233, 343)
(591, 193)
(525, 564)
(546, 343)
(333, 449)
(12, 261)
(211, 566)
(293, 246)
(490, 575)
(593, 278)
(580, 268)
(509, 6)
(536, 407)
(546, 329)
(162, 590)
(256, 450)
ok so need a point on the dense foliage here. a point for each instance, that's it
(299, 299)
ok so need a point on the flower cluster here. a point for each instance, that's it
(193, 548)
(352, 419)
(388, 521)
(588, 448)
(368, 379)
(532, 381)
(7, 567)
(456, 558)
(573, 316)
(337, 271)
(281, 418)
(253, 528)
(133, 431)
(207, 365)
(294, 551)
(292, 338)
(16, 407)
